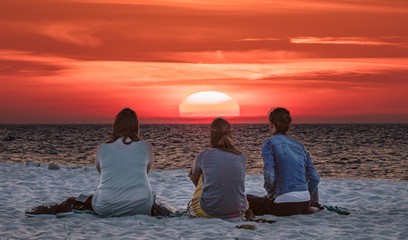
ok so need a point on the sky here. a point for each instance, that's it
(82, 61)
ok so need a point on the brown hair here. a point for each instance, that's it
(280, 117)
(126, 125)
(221, 136)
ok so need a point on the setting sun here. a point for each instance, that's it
(80, 61)
(208, 104)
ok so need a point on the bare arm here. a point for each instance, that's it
(195, 171)
(193, 178)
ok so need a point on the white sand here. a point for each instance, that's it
(379, 209)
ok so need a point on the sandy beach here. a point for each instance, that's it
(379, 209)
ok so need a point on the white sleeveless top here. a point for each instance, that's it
(124, 187)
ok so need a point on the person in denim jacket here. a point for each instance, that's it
(290, 178)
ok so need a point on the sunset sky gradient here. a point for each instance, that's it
(81, 61)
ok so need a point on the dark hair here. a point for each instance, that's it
(221, 136)
(280, 117)
(126, 125)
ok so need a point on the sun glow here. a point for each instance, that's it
(208, 104)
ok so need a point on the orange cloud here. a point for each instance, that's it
(71, 33)
(153, 30)
(346, 40)
(84, 60)
(271, 6)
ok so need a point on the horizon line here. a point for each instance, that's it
(381, 119)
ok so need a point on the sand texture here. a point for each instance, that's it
(379, 209)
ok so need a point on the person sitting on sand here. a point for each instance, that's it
(290, 178)
(219, 176)
(123, 162)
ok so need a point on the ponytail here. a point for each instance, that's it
(221, 136)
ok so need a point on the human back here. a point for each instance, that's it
(223, 183)
(219, 176)
(287, 164)
(290, 159)
(123, 162)
(124, 187)
(290, 178)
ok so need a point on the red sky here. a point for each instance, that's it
(81, 61)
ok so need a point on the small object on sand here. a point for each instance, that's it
(33, 164)
(246, 226)
(164, 209)
(337, 209)
(53, 166)
(73, 167)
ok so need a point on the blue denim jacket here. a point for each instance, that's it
(287, 166)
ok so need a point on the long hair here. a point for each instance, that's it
(221, 136)
(126, 125)
(280, 117)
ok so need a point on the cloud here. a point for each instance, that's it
(66, 32)
(346, 41)
(27, 69)
(327, 84)
(11, 55)
(171, 73)
(153, 30)
(257, 39)
(71, 33)
(252, 56)
(295, 71)
(86, 54)
(273, 6)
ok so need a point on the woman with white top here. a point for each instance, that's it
(123, 163)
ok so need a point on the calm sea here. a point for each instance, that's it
(376, 151)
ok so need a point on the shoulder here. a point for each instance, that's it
(205, 153)
(270, 141)
(101, 148)
(208, 154)
(145, 144)
(295, 142)
(281, 138)
(214, 152)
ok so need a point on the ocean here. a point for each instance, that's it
(354, 151)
